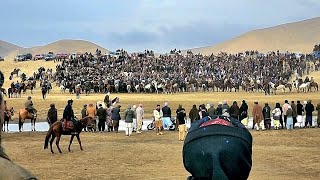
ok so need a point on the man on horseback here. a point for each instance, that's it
(29, 106)
(68, 115)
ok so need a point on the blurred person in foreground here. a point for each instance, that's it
(218, 148)
(8, 169)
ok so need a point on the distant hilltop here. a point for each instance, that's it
(298, 37)
(62, 46)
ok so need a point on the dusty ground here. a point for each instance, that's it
(276, 155)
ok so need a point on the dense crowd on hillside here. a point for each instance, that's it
(143, 72)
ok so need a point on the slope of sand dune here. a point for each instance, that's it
(6, 48)
(62, 46)
(294, 37)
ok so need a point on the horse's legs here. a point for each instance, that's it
(79, 141)
(71, 139)
(57, 143)
(51, 141)
(34, 125)
(20, 125)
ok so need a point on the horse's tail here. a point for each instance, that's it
(46, 142)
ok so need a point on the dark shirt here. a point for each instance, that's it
(68, 113)
(101, 113)
(266, 112)
(53, 114)
(300, 109)
(115, 114)
(166, 111)
(181, 114)
(309, 109)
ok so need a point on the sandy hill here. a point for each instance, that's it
(6, 48)
(295, 37)
(62, 46)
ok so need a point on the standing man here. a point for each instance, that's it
(166, 116)
(243, 113)
(84, 114)
(157, 113)
(211, 111)
(300, 111)
(140, 116)
(294, 116)
(92, 112)
(267, 116)
(284, 113)
(193, 114)
(234, 110)
(257, 116)
(101, 113)
(134, 123)
(128, 117)
(52, 115)
(181, 114)
(309, 109)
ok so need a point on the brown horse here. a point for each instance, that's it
(23, 115)
(56, 131)
(7, 117)
(314, 85)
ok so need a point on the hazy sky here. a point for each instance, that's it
(138, 24)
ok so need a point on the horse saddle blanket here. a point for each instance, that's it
(68, 125)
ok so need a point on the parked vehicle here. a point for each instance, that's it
(50, 57)
(38, 57)
(1, 58)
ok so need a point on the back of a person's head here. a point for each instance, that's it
(215, 151)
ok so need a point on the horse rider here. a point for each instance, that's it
(311, 80)
(306, 80)
(68, 114)
(29, 106)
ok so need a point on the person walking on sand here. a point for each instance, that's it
(140, 116)
(157, 113)
(193, 114)
(181, 114)
(101, 113)
(266, 111)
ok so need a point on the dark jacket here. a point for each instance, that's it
(309, 109)
(300, 109)
(243, 111)
(266, 112)
(211, 112)
(219, 110)
(101, 113)
(68, 113)
(234, 110)
(129, 115)
(193, 114)
(53, 114)
(115, 114)
(166, 111)
(84, 113)
(225, 108)
(181, 114)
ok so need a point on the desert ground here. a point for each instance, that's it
(276, 154)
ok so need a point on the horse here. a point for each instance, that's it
(23, 115)
(289, 86)
(56, 131)
(15, 71)
(62, 89)
(7, 117)
(314, 85)
(304, 86)
(14, 93)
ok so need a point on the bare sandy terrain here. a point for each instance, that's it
(276, 155)
(299, 37)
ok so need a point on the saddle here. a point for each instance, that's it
(67, 125)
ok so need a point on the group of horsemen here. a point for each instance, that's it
(179, 73)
